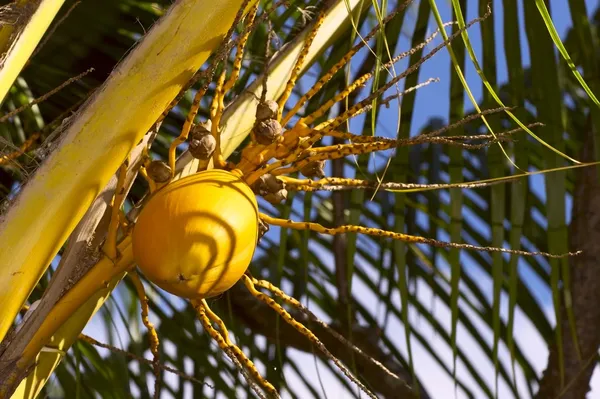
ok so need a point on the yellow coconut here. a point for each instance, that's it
(195, 237)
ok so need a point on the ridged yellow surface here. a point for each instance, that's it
(196, 237)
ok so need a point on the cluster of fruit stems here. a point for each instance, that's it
(292, 151)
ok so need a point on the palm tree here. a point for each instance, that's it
(358, 284)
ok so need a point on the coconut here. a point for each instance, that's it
(196, 237)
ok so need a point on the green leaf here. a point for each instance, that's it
(541, 5)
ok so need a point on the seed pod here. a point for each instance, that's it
(201, 129)
(266, 110)
(267, 131)
(195, 237)
(276, 198)
(159, 171)
(267, 184)
(262, 228)
(202, 147)
(273, 183)
(314, 169)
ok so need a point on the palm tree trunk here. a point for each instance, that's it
(585, 275)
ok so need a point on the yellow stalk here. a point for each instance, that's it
(112, 122)
(48, 345)
(16, 51)
(66, 321)
(236, 126)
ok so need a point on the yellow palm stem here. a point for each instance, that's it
(16, 47)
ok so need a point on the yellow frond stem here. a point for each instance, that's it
(187, 125)
(206, 317)
(103, 108)
(235, 123)
(64, 323)
(16, 51)
(290, 224)
(110, 246)
(239, 56)
(216, 112)
(248, 282)
(300, 63)
(152, 335)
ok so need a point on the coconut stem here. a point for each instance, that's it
(299, 62)
(110, 246)
(207, 317)
(301, 328)
(399, 236)
(152, 335)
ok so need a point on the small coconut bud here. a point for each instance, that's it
(258, 187)
(314, 169)
(262, 228)
(202, 147)
(201, 129)
(277, 197)
(267, 131)
(159, 171)
(267, 184)
(266, 110)
(273, 183)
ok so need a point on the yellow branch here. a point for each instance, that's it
(17, 52)
(66, 321)
(235, 123)
(101, 136)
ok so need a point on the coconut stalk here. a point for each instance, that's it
(235, 120)
(98, 140)
(20, 32)
(61, 326)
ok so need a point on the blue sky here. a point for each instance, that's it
(432, 101)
